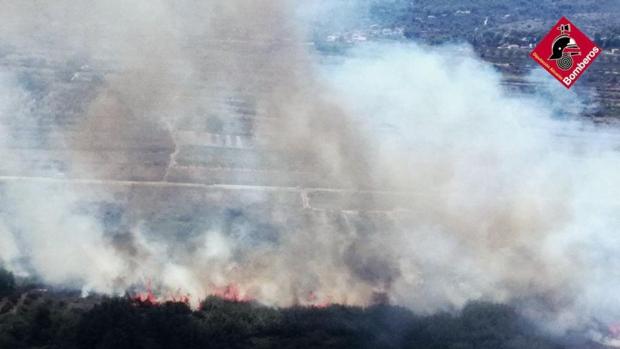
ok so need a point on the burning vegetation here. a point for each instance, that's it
(209, 148)
(35, 317)
(40, 318)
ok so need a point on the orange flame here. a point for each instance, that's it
(315, 302)
(148, 297)
(231, 292)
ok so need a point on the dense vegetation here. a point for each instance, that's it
(36, 318)
(495, 23)
(122, 323)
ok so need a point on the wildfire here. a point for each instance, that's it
(315, 302)
(148, 297)
(230, 292)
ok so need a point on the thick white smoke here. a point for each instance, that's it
(399, 171)
(504, 202)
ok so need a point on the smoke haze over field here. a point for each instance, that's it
(399, 171)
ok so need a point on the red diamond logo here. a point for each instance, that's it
(566, 52)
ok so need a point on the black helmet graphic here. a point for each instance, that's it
(563, 45)
(563, 48)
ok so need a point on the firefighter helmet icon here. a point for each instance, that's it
(563, 48)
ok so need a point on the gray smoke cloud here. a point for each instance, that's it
(206, 148)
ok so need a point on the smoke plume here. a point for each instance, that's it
(207, 148)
